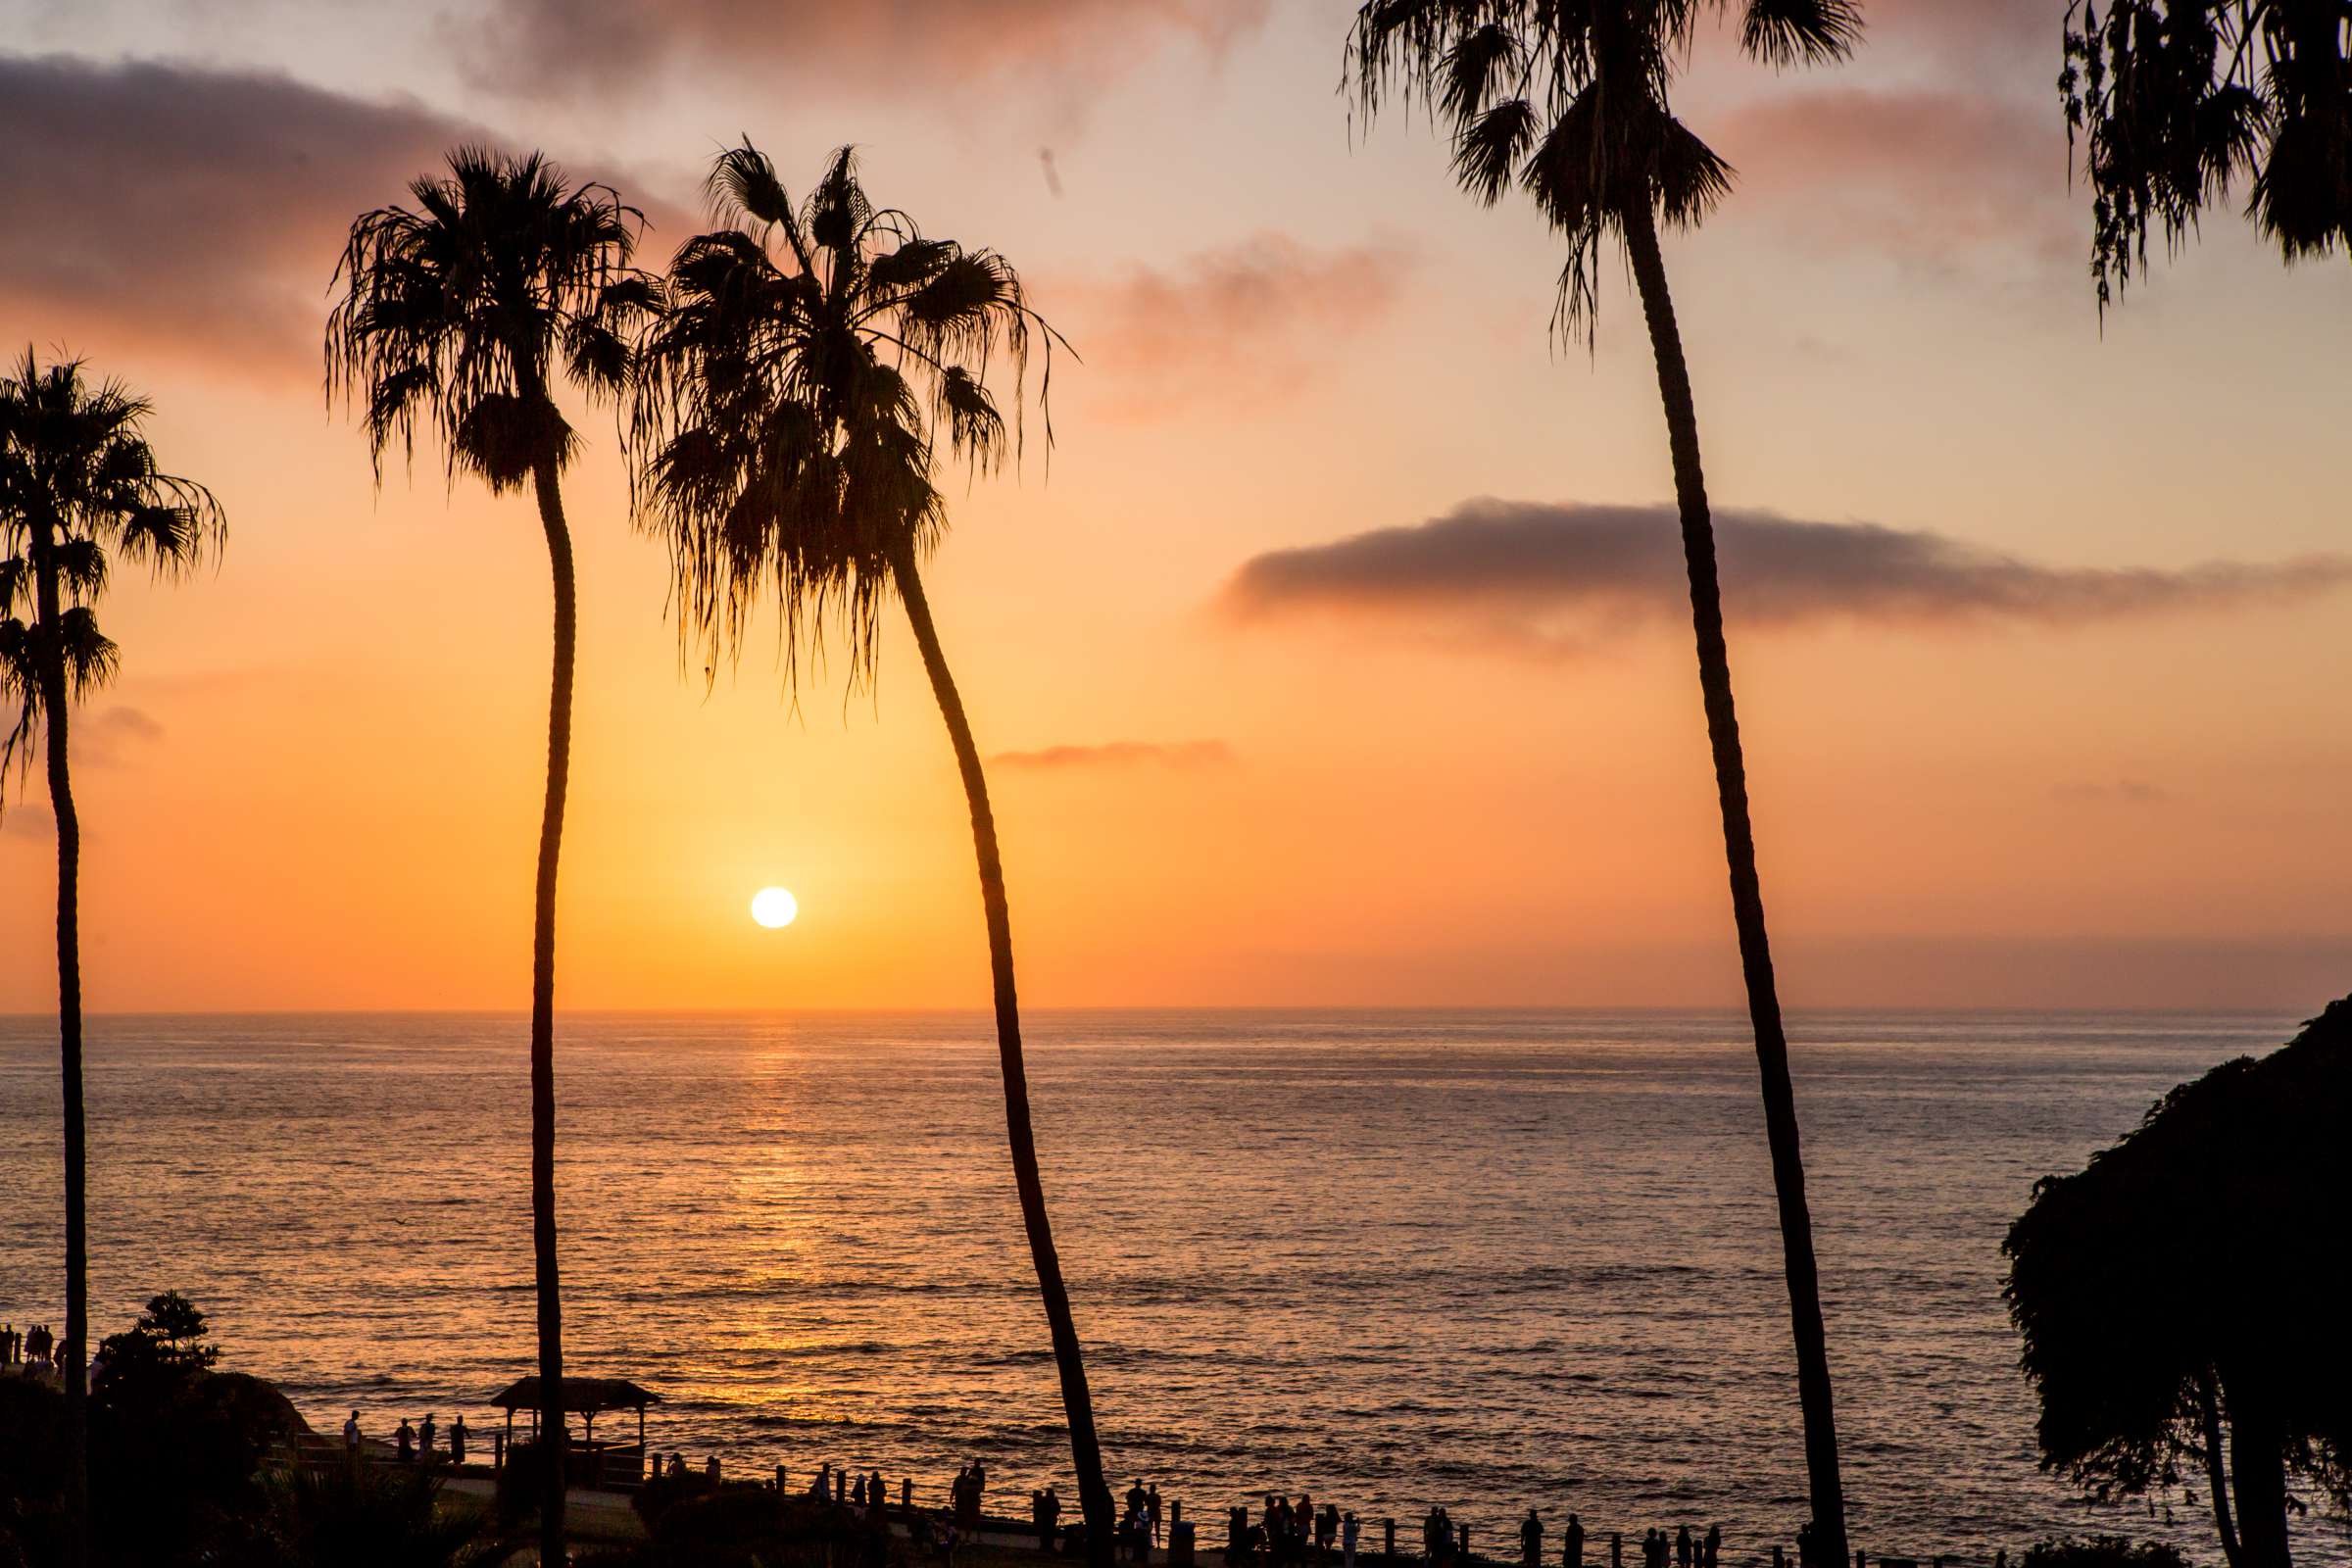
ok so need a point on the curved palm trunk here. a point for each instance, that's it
(1086, 1451)
(2217, 1471)
(543, 1023)
(55, 698)
(1747, 897)
(2258, 1469)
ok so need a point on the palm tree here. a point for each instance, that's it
(1570, 102)
(79, 485)
(465, 310)
(794, 399)
(2177, 99)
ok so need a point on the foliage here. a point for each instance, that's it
(177, 1450)
(78, 489)
(2192, 1263)
(463, 310)
(2176, 101)
(365, 1516)
(2101, 1552)
(793, 394)
(521, 1482)
(1572, 103)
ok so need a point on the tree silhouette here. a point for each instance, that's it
(78, 488)
(2182, 1299)
(2175, 101)
(465, 310)
(1572, 104)
(796, 395)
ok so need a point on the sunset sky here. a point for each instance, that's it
(1339, 657)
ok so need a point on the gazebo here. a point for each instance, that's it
(588, 1399)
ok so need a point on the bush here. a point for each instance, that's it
(2102, 1551)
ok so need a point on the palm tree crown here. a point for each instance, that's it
(460, 309)
(2176, 100)
(1569, 100)
(79, 485)
(795, 391)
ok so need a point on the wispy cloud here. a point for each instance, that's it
(1547, 579)
(2126, 791)
(1236, 327)
(560, 48)
(108, 737)
(1928, 175)
(1121, 754)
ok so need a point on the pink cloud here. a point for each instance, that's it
(1236, 327)
(549, 48)
(1926, 175)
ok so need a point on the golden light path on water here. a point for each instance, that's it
(1485, 1260)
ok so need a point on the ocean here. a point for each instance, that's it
(1493, 1260)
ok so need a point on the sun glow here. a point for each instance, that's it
(773, 907)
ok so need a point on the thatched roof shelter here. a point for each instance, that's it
(580, 1396)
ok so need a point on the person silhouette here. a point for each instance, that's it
(1713, 1546)
(1572, 1553)
(1682, 1547)
(1531, 1541)
(457, 1439)
(406, 1437)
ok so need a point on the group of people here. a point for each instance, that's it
(19, 1347)
(867, 1493)
(1138, 1525)
(1288, 1530)
(1687, 1552)
(412, 1443)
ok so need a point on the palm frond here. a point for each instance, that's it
(1801, 33)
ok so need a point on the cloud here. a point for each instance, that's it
(2129, 791)
(1238, 326)
(566, 48)
(1928, 175)
(25, 821)
(1543, 579)
(105, 738)
(1121, 754)
(196, 210)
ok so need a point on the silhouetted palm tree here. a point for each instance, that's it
(794, 395)
(465, 310)
(1571, 102)
(2176, 99)
(79, 485)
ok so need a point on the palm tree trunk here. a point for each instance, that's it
(2217, 1471)
(56, 697)
(2258, 1467)
(1747, 897)
(1086, 1451)
(543, 1023)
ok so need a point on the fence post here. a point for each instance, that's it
(1388, 1539)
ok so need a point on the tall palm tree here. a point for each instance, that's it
(1570, 101)
(466, 310)
(79, 485)
(794, 397)
(2176, 100)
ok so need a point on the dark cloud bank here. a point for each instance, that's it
(1539, 577)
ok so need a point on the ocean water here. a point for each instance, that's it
(1493, 1260)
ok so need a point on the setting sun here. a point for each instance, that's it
(773, 907)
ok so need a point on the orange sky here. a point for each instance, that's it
(1982, 773)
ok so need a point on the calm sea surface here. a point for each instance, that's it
(1484, 1260)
